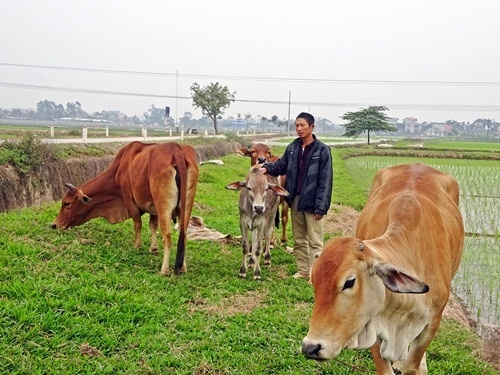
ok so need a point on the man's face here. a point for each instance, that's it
(302, 128)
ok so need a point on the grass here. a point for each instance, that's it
(83, 301)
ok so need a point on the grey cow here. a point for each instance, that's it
(258, 204)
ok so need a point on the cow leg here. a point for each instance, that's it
(153, 226)
(382, 366)
(245, 245)
(166, 232)
(267, 245)
(402, 368)
(137, 230)
(284, 221)
(165, 220)
(416, 363)
(251, 260)
(256, 251)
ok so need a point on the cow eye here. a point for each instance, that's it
(349, 283)
(66, 204)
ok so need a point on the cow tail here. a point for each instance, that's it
(180, 161)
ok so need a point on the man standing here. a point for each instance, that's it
(307, 163)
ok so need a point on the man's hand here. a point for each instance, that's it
(318, 216)
(263, 169)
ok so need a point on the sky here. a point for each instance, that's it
(434, 60)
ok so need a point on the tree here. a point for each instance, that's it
(367, 120)
(213, 100)
(155, 115)
(48, 110)
(74, 110)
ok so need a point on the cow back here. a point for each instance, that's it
(420, 204)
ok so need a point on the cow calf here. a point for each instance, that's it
(257, 205)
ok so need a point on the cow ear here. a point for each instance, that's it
(85, 199)
(243, 151)
(237, 185)
(278, 190)
(398, 281)
(70, 187)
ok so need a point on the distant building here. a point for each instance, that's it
(410, 124)
(438, 129)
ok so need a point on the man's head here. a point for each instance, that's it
(304, 126)
(306, 116)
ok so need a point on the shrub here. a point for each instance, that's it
(26, 154)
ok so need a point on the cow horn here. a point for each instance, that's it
(70, 187)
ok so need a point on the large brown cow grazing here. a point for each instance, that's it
(259, 153)
(257, 205)
(159, 179)
(387, 287)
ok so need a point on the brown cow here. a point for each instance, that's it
(159, 179)
(259, 153)
(387, 287)
(257, 211)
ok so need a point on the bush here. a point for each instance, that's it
(26, 154)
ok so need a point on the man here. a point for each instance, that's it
(307, 163)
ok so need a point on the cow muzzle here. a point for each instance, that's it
(258, 209)
(55, 226)
(311, 351)
(319, 350)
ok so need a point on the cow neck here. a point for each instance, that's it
(107, 200)
(392, 245)
(103, 187)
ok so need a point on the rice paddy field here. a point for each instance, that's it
(478, 279)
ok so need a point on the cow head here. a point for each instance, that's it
(350, 287)
(74, 209)
(259, 153)
(255, 187)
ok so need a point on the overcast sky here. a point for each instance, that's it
(328, 56)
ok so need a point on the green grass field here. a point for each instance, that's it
(83, 301)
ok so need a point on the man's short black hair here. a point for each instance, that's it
(306, 116)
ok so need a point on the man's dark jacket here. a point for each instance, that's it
(316, 193)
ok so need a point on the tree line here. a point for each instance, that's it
(213, 100)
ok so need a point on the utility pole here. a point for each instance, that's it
(288, 122)
(176, 95)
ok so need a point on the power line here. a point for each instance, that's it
(258, 78)
(423, 107)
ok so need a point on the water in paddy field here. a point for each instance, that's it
(477, 282)
(478, 279)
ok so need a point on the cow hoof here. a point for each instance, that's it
(153, 250)
(257, 278)
(179, 272)
(242, 275)
(267, 262)
(165, 273)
